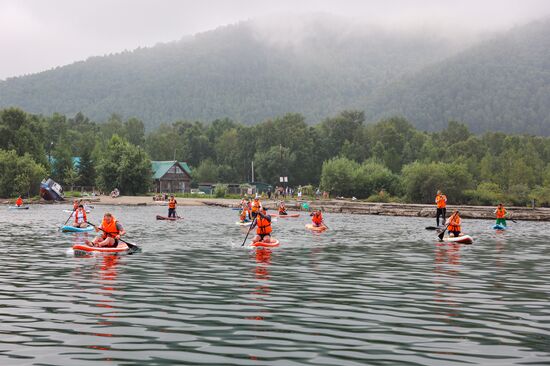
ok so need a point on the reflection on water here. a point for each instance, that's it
(370, 291)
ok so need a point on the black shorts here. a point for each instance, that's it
(455, 233)
(262, 236)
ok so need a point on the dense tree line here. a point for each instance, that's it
(388, 160)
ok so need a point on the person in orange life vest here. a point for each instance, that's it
(263, 224)
(172, 206)
(111, 231)
(19, 201)
(245, 212)
(317, 218)
(454, 223)
(441, 202)
(80, 219)
(256, 207)
(282, 209)
(501, 213)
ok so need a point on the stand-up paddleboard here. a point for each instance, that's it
(121, 247)
(159, 217)
(435, 227)
(73, 229)
(247, 223)
(271, 244)
(464, 239)
(18, 207)
(285, 216)
(316, 228)
(499, 227)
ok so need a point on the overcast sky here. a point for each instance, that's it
(36, 35)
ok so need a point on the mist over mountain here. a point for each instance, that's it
(316, 66)
(501, 84)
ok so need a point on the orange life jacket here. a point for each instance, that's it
(83, 216)
(454, 223)
(282, 209)
(256, 206)
(264, 226)
(19, 201)
(441, 201)
(501, 213)
(172, 204)
(243, 215)
(317, 219)
(109, 230)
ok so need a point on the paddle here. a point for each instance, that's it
(71, 215)
(249, 228)
(134, 247)
(440, 236)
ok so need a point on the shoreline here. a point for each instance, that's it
(329, 205)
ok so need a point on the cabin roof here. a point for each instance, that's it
(160, 168)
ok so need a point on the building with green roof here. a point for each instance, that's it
(171, 176)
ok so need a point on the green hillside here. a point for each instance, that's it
(502, 84)
(231, 72)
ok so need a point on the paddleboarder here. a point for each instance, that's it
(172, 207)
(441, 202)
(19, 201)
(316, 218)
(263, 224)
(256, 207)
(454, 222)
(80, 219)
(501, 213)
(111, 230)
(282, 209)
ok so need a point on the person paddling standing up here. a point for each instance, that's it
(500, 213)
(441, 202)
(263, 224)
(80, 219)
(256, 207)
(172, 207)
(19, 201)
(454, 222)
(112, 231)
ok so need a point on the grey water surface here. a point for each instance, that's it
(372, 290)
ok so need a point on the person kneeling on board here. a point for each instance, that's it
(19, 201)
(80, 219)
(501, 213)
(256, 207)
(317, 218)
(454, 223)
(112, 231)
(282, 209)
(263, 224)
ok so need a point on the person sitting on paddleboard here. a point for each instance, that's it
(317, 218)
(19, 201)
(501, 213)
(80, 219)
(441, 202)
(263, 224)
(454, 222)
(172, 207)
(256, 207)
(244, 214)
(282, 209)
(111, 230)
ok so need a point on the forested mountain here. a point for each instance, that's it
(316, 66)
(502, 84)
(243, 71)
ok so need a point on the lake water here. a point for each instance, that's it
(372, 290)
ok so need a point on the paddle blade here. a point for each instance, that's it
(440, 236)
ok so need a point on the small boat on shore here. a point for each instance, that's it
(51, 191)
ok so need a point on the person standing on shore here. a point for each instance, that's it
(172, 207)
(500, 213)
(441, 202)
